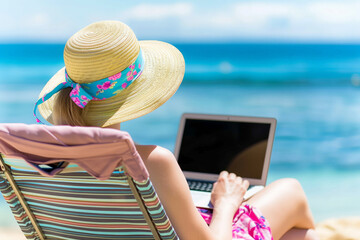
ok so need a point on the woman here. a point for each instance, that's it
(110, 77)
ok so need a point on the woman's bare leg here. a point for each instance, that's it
(284, 205)
(299, 234)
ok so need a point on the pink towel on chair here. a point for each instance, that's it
(97, 150)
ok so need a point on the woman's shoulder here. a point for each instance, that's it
(154, 153)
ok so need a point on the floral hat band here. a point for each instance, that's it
(105, 88)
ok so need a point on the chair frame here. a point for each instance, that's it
(6, 171)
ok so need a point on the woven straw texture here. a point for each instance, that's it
(103, 49)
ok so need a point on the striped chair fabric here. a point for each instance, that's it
(74, 205)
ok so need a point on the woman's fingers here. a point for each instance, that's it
(238, 180)
(232, 176)
(227, 175)
(224, 174)
(246, 184)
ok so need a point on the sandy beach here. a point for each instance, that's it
(11, 234)
(331, 229)
(339, 229)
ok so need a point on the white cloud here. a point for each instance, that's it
(247, 19)
(158, 11)
(259, 14)
(262, 14)
(336, 12)
(38, 20)
(319, 20)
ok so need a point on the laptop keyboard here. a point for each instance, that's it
(206, 186)
(200, 185)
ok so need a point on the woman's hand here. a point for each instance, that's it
(227, 195)
(229, 190)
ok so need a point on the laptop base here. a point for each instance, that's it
(202, 199)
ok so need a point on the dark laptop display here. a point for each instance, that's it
(210, 145)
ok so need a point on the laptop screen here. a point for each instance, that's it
(210, 146)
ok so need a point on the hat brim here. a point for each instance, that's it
(162, 75)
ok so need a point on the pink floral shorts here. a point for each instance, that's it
(248, 223)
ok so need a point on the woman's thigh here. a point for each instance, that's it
(283, 203)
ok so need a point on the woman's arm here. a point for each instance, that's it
(172, 188)
(227, 195)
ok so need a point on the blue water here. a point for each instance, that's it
(221, 63)
(272, 63)
(311, 89)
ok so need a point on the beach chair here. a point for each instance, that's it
(65, 182)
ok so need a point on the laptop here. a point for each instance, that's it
(209, 144)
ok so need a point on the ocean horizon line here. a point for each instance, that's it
(311, 43)
(237, 63)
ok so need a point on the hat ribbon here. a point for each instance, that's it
(82, 93)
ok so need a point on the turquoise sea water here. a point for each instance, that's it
(312, 90)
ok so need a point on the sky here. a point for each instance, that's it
(334, 21)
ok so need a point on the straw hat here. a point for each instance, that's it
(105, 48)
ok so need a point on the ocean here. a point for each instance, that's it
(313, 90)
